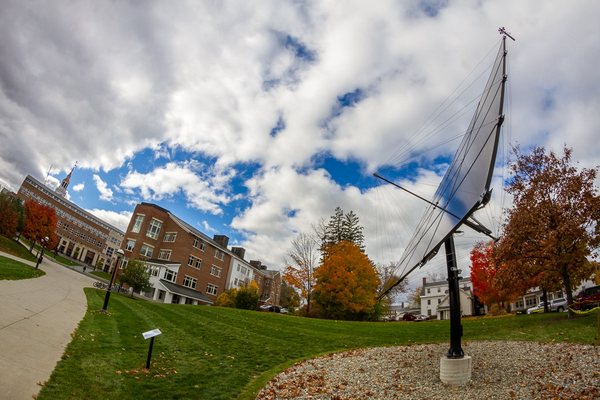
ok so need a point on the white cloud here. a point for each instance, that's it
(119, 220)
(79, 187)
(105, 192)
(204, 192)
(219, 80)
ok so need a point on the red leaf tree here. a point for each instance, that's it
(40, 222)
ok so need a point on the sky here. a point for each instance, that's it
(256, 119)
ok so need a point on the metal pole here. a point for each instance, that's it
(149, 353)
(455, 350)
(112, 280)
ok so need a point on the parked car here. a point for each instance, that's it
(409, 317)
(536, 309)
(558, 305)
(587, 298)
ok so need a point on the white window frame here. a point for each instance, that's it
(198, 243)
(137, 224)
(170, 275)
(170, 237)
(212, 289)
(154, 228)
(215, 271)
(194, 262)
(219, 255)
(190, 282)
(163, 252)
(146, 245)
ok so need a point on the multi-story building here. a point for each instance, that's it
(81, 235)
(187, 266)
(436, 302)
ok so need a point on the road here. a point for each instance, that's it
(37, 317)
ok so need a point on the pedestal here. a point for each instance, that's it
(455, 371)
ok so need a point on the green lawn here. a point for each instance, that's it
(101, 274)
(15, 248)
(14, 270)
(220, 353)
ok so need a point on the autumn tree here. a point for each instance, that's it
(553, 227)
(347, 283)
(227, 298)
(40, 222)
(289, 297)
(302, 261)
(9, 215)
(388, 278)
(136, 275)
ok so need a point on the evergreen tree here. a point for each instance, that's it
(343, 226)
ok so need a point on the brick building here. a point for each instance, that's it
(186, 265)
(81, 235)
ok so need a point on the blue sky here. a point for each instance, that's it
(257, 122)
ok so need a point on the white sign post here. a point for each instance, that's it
(150, 335)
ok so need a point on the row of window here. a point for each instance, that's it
(188, 281)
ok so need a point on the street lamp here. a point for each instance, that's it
(120, 254)
(43, 242)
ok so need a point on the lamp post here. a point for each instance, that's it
(43, 243)
(120, 254)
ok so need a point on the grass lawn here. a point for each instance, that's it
(14, 270)
(15, 248)
(60, 259)
(101, 274)
(220, 353)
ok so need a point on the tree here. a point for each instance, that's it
(346, 283)
(483, 276)
(553, 227)
(289, 297)
(227, 298)
(136, 275)
(415, 296)
(342, 227)
(247, 297)
(388, 278)
(303, 260)
(9, 215)
(40, 221)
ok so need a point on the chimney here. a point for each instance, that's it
(239, 251)
(424, 281)
(222, 240)
(256, 264)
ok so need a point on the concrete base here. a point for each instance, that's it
(455, 371)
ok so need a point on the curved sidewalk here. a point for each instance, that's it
(37, 317)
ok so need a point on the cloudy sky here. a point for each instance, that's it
(256, 119)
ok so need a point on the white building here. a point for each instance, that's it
(435, 300)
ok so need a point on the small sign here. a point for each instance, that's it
(151, 334)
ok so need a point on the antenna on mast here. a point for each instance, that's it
(502, 31)
(48, 174)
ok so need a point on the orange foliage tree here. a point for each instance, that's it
(553, 228)
(347, 283)
(9, 215)
(302, 262)
(40, 221)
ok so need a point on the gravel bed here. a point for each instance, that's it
(501, 370)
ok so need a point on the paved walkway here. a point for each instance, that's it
(37, 317)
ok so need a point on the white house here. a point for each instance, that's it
(435, 300)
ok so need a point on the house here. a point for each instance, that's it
(81, 235)
(435, 300)
(186, 265)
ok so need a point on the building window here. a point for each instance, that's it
(211, 289)
(428, 291)
(215, 271)
(190, 282)
(109, 251)
(194, 262)
(439, 301)
(154, 271)
(164, 254)
(130, 245)
(170, 237)
(154, 228)
(198, 243)
(137, 225)
(146, 250)
(170, 275)
(429, 302)
(219, 254)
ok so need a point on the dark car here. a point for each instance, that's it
(409, 317)
(587, 298)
